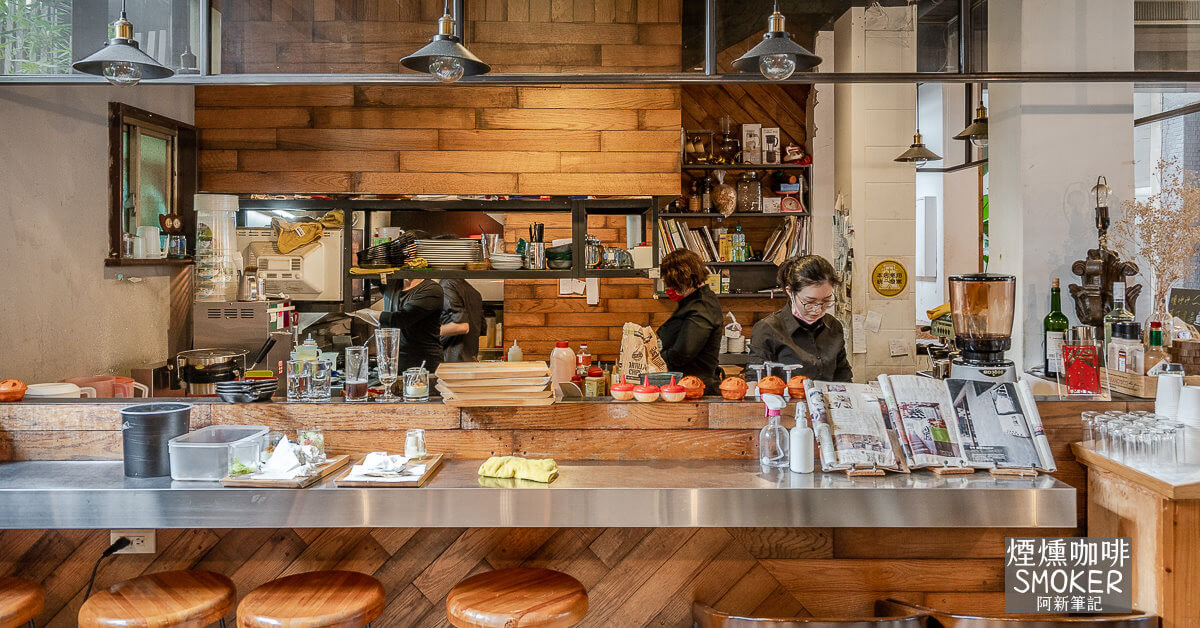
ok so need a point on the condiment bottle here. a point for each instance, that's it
(515, 354)
(593, 384)
(801, 438)
(583, 360)
(562, 362)
(1155, 354)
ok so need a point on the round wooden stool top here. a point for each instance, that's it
(517, 597)
(171, 598)
(318, 599)
(20, 602)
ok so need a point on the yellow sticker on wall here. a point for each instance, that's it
(889, 278)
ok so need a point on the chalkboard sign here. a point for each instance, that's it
(1185, 303)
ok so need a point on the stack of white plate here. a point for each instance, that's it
(506, 261)
(449, 254)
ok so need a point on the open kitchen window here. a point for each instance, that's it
(152, 171)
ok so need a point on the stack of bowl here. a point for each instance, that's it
(246, 391)
(506, 261)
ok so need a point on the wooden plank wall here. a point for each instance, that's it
(371, 36)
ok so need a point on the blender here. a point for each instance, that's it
(981, 310)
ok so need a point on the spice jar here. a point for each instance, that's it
(749, 193)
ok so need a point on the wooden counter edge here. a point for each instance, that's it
(1090, 458)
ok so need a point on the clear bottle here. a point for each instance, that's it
(774, 441)
(738, 249)
(1118, 313)
(515, 354)
(562, 362)
(1055, 328)
(583, 360)
(1155, 354)
(802, 441)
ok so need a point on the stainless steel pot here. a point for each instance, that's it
(201, 369)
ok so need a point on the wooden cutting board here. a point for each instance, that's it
(248, 481)
(493, 402)
(491, 370)
(465, 384)
(501, 391)
(432, 464)
(502, 395)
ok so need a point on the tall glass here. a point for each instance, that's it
(358, 369)
(387, 347)
(299, 373)
(320, 380)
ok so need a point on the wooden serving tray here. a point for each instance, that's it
(459, 391)
(491, 370)
(248, 481)
(500, 396)
(432, 464)
(493, 402)
(466, 384)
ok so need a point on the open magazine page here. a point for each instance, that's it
(821, 427)
(924, 408)
(900, 438)
(855, 414)
(993, 425)
(1035, 424)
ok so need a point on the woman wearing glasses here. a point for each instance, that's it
(802, 332)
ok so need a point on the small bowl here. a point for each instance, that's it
(238, 397)
(559, 264)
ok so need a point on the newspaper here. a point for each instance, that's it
(964, 423)
(852, 427)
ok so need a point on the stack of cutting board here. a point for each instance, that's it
(471, 384)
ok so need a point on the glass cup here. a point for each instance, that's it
(321, 372)
(416, 384)
(299, 375)
(314, 436)
(273, 439)
(387, 347)
(414, 444)
(358, 369)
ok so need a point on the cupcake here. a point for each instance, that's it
(645, 392)
(673, 392)
(733, 388)
(693, 386)
(771, 385)
(622, 390)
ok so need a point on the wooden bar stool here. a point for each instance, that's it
(521, 597)
(317, 599)
(184, 599)
(20, 602)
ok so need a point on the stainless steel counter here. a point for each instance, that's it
(96, 495)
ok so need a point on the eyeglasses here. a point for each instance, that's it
(815, 306)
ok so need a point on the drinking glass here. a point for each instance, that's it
(319, 380)
(387, 348)
(1087, 419)
(416, 384)
(414, 444)
(273, 439)
(299, 375)
(358, 369)
(314, 436)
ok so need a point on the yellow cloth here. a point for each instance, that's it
(938, 311)
(487, 482)
(293, 235)
(355, 270)
(542, 470)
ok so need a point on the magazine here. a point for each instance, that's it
(966, 423)
(852, 426)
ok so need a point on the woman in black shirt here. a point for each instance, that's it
(414, 306)
(691, 338)
(802, 332)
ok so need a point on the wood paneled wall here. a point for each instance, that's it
(438, 140)
(371, 36)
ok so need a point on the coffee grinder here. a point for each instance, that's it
(981, 310)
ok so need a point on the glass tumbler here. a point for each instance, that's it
(299, 374)
(319, 380)
(387, 347)
(358, 369)
(314, 436)
(416, 384)
(414, 444)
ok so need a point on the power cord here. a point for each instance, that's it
(118, 545)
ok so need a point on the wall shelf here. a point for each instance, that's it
(720, 216)
(163, 261)
(740, 264)
(768, 167)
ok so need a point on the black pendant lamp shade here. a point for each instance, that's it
(445, 57)
(977, 132)
(917, 153)
(120, 60)
(777, 56)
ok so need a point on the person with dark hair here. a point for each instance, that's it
(414, 306)
(803, 332)
(462, 320)
(691, 338)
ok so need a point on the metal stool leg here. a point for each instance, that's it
(222, 622)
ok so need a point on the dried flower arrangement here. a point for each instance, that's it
(1164, 230)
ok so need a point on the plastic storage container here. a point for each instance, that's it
(207, 453)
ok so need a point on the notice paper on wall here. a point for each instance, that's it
(571, 287)
(858, 334)
(592, 290)
(874, 321)
(897, 347)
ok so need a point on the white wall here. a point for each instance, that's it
(1049, 142)
(821, 145)
(62, 314)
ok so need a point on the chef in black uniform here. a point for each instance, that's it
(691, 338)
(462, 320)
(414, 306)
(802, 332)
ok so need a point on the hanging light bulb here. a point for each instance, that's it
(120, 60)
(445, 57)
(776, 57)
(977, 132)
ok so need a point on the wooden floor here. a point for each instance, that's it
(635, 576)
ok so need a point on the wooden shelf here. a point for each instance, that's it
(740, 264)
(432, 273)
(719, 216)
(778, 294)
(747, 166)
(165, 261)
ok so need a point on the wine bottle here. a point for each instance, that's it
(1055, 327)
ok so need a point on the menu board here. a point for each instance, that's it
(1185, 303)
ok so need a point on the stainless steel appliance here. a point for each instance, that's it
(981, 309)
(238, 324)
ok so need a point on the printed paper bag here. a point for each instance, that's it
(639, 352)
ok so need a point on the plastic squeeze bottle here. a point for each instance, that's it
(801, 438)
(515, 354)
(562, 363)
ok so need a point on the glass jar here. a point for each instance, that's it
(749, 193)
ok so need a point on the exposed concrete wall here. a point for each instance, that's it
(63, 314)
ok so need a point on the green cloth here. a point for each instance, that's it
(542, 470)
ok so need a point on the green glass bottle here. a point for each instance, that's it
(1055, 328)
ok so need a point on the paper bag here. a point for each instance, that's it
(639, 352)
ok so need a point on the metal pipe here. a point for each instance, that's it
(710, 37)
(205, 51)
(1167, 115)
(460, 20)
(1139, 79)
(962, 166)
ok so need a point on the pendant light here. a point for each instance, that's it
(977, 132)
(445, 57)
(777, 57)
(120, 60)
(917, 154)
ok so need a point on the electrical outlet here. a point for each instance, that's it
(142, 541)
